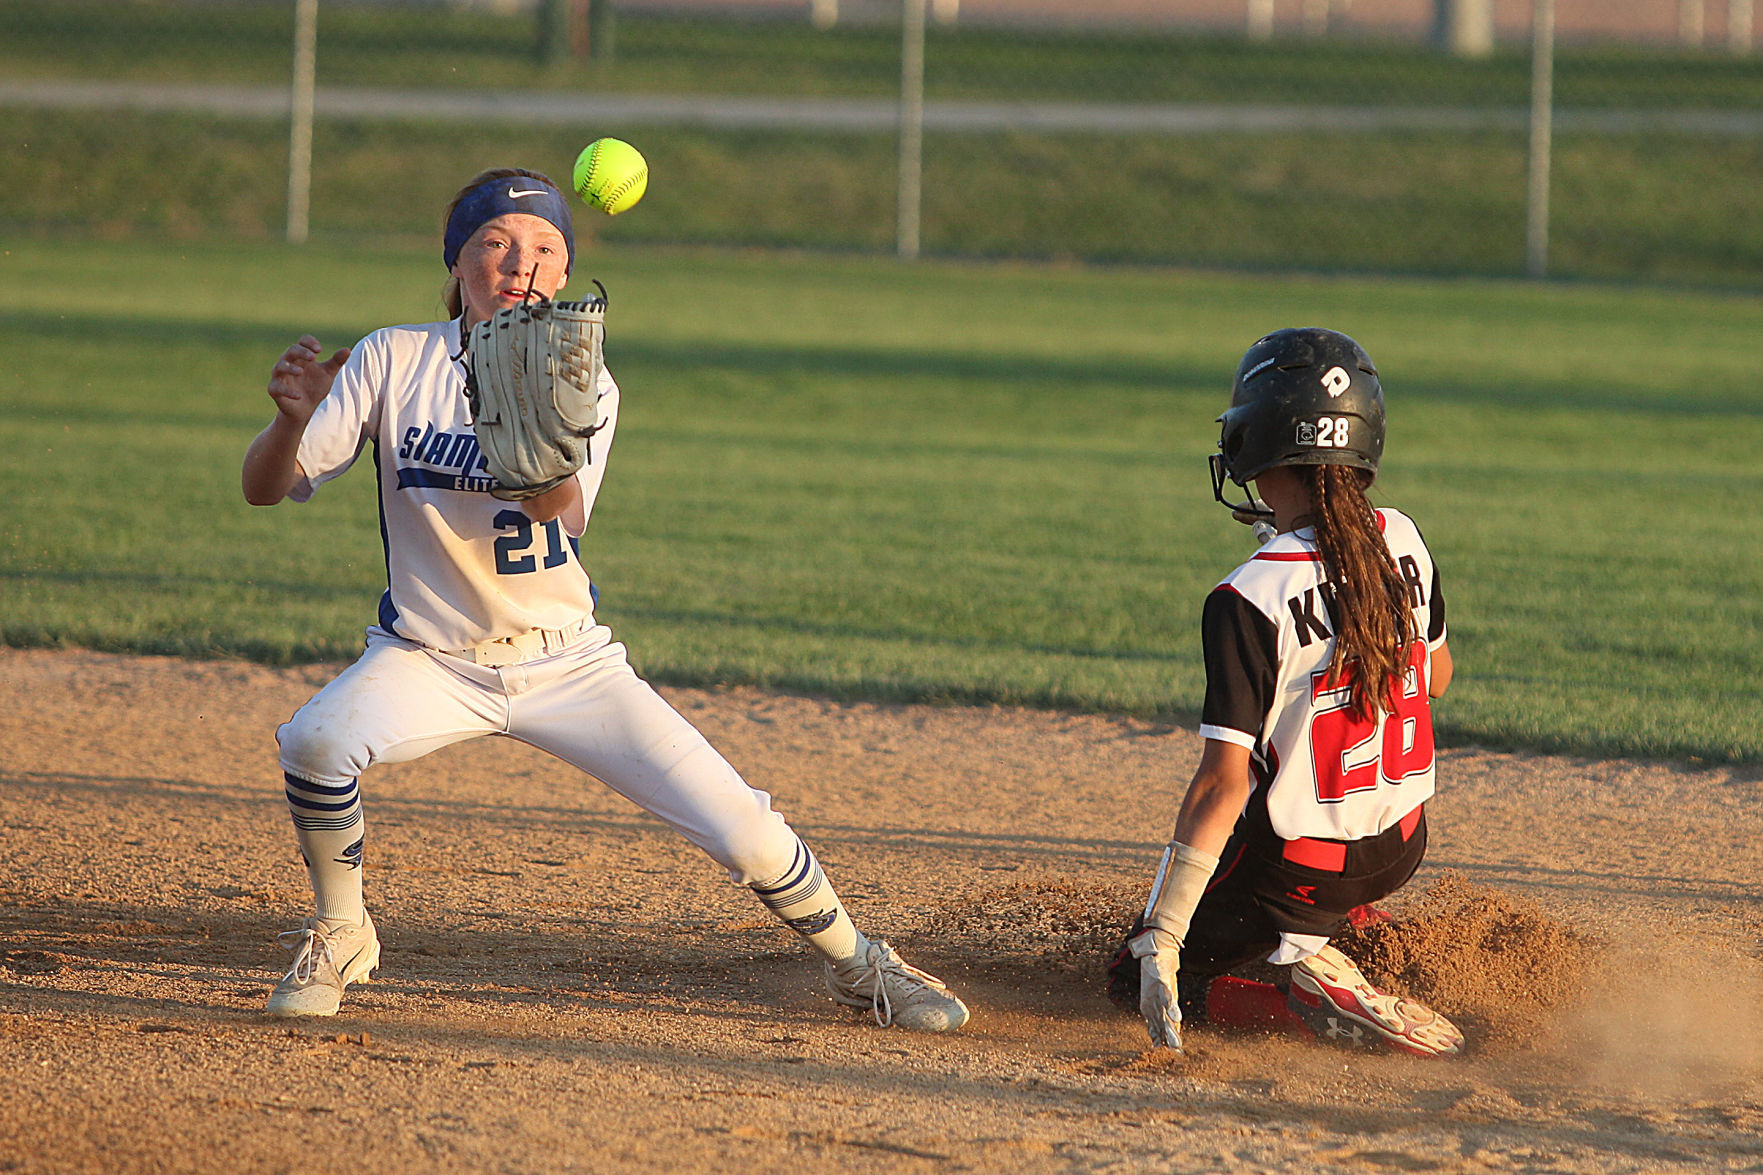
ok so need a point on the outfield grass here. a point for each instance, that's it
(1416, 202)
(977, 482)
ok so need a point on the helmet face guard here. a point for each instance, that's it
(1251, 510)
(1303, 396)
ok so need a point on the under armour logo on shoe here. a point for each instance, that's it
(1347, 1032)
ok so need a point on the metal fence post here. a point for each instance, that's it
(1464, 28)
(1691, 25)
(911, 126)
(1542, 111)
(1258, 19)
(300, 124)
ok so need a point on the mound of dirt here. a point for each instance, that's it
(1494, 962)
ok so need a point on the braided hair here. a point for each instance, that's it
(1374, 625)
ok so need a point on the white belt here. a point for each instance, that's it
(512, 650)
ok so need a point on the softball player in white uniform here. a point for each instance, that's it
(1322, 654)
(487, 625)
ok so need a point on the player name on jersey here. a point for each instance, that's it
(1333, 774)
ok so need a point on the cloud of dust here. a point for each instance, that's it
(1671, 1019)
(1683, 1022)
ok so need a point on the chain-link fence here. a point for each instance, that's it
(1368, 135)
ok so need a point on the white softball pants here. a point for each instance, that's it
(584, 705)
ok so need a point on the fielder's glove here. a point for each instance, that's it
(532, 378)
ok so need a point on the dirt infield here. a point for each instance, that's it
(568, 987)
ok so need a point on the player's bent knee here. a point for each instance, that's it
(318, 750)
(754, 850)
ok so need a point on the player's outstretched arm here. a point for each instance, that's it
(1208, 813)
(297, 384)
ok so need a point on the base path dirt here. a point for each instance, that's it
(567, 986)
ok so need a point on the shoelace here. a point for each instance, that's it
(881, 1006)
(881, 965)
(307, 953)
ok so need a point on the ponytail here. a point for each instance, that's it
(1374, 625)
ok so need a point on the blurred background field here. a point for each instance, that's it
(974, 477)
(1344, 139)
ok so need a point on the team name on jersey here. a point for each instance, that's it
(1313, 611)
(442, 460)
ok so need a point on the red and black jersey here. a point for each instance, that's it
(1268, 633)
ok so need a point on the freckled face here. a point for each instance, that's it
(507, 255)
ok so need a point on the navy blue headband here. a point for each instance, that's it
(498, 197)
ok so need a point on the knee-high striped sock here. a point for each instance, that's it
(329, 826)
(805, 900)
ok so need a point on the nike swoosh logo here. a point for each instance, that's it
(514, 195)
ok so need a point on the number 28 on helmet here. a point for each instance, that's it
(1302, 396)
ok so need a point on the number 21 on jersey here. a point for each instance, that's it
(514, 548)
(1352, 754)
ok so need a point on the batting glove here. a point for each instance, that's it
(1159, 956)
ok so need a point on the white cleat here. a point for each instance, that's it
(897, 993)
(1336, 1002)
(329, 955)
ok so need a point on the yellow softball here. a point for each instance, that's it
(611, 175)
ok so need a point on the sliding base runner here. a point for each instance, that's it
(1323, 652)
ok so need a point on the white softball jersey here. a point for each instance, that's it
(461, 566)
(1268, 632)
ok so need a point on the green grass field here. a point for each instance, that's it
(961, 482)
(1429, 203)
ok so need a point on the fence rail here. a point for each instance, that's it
(1336, 144)
(738, 112)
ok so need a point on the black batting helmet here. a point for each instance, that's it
(1302, 396)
